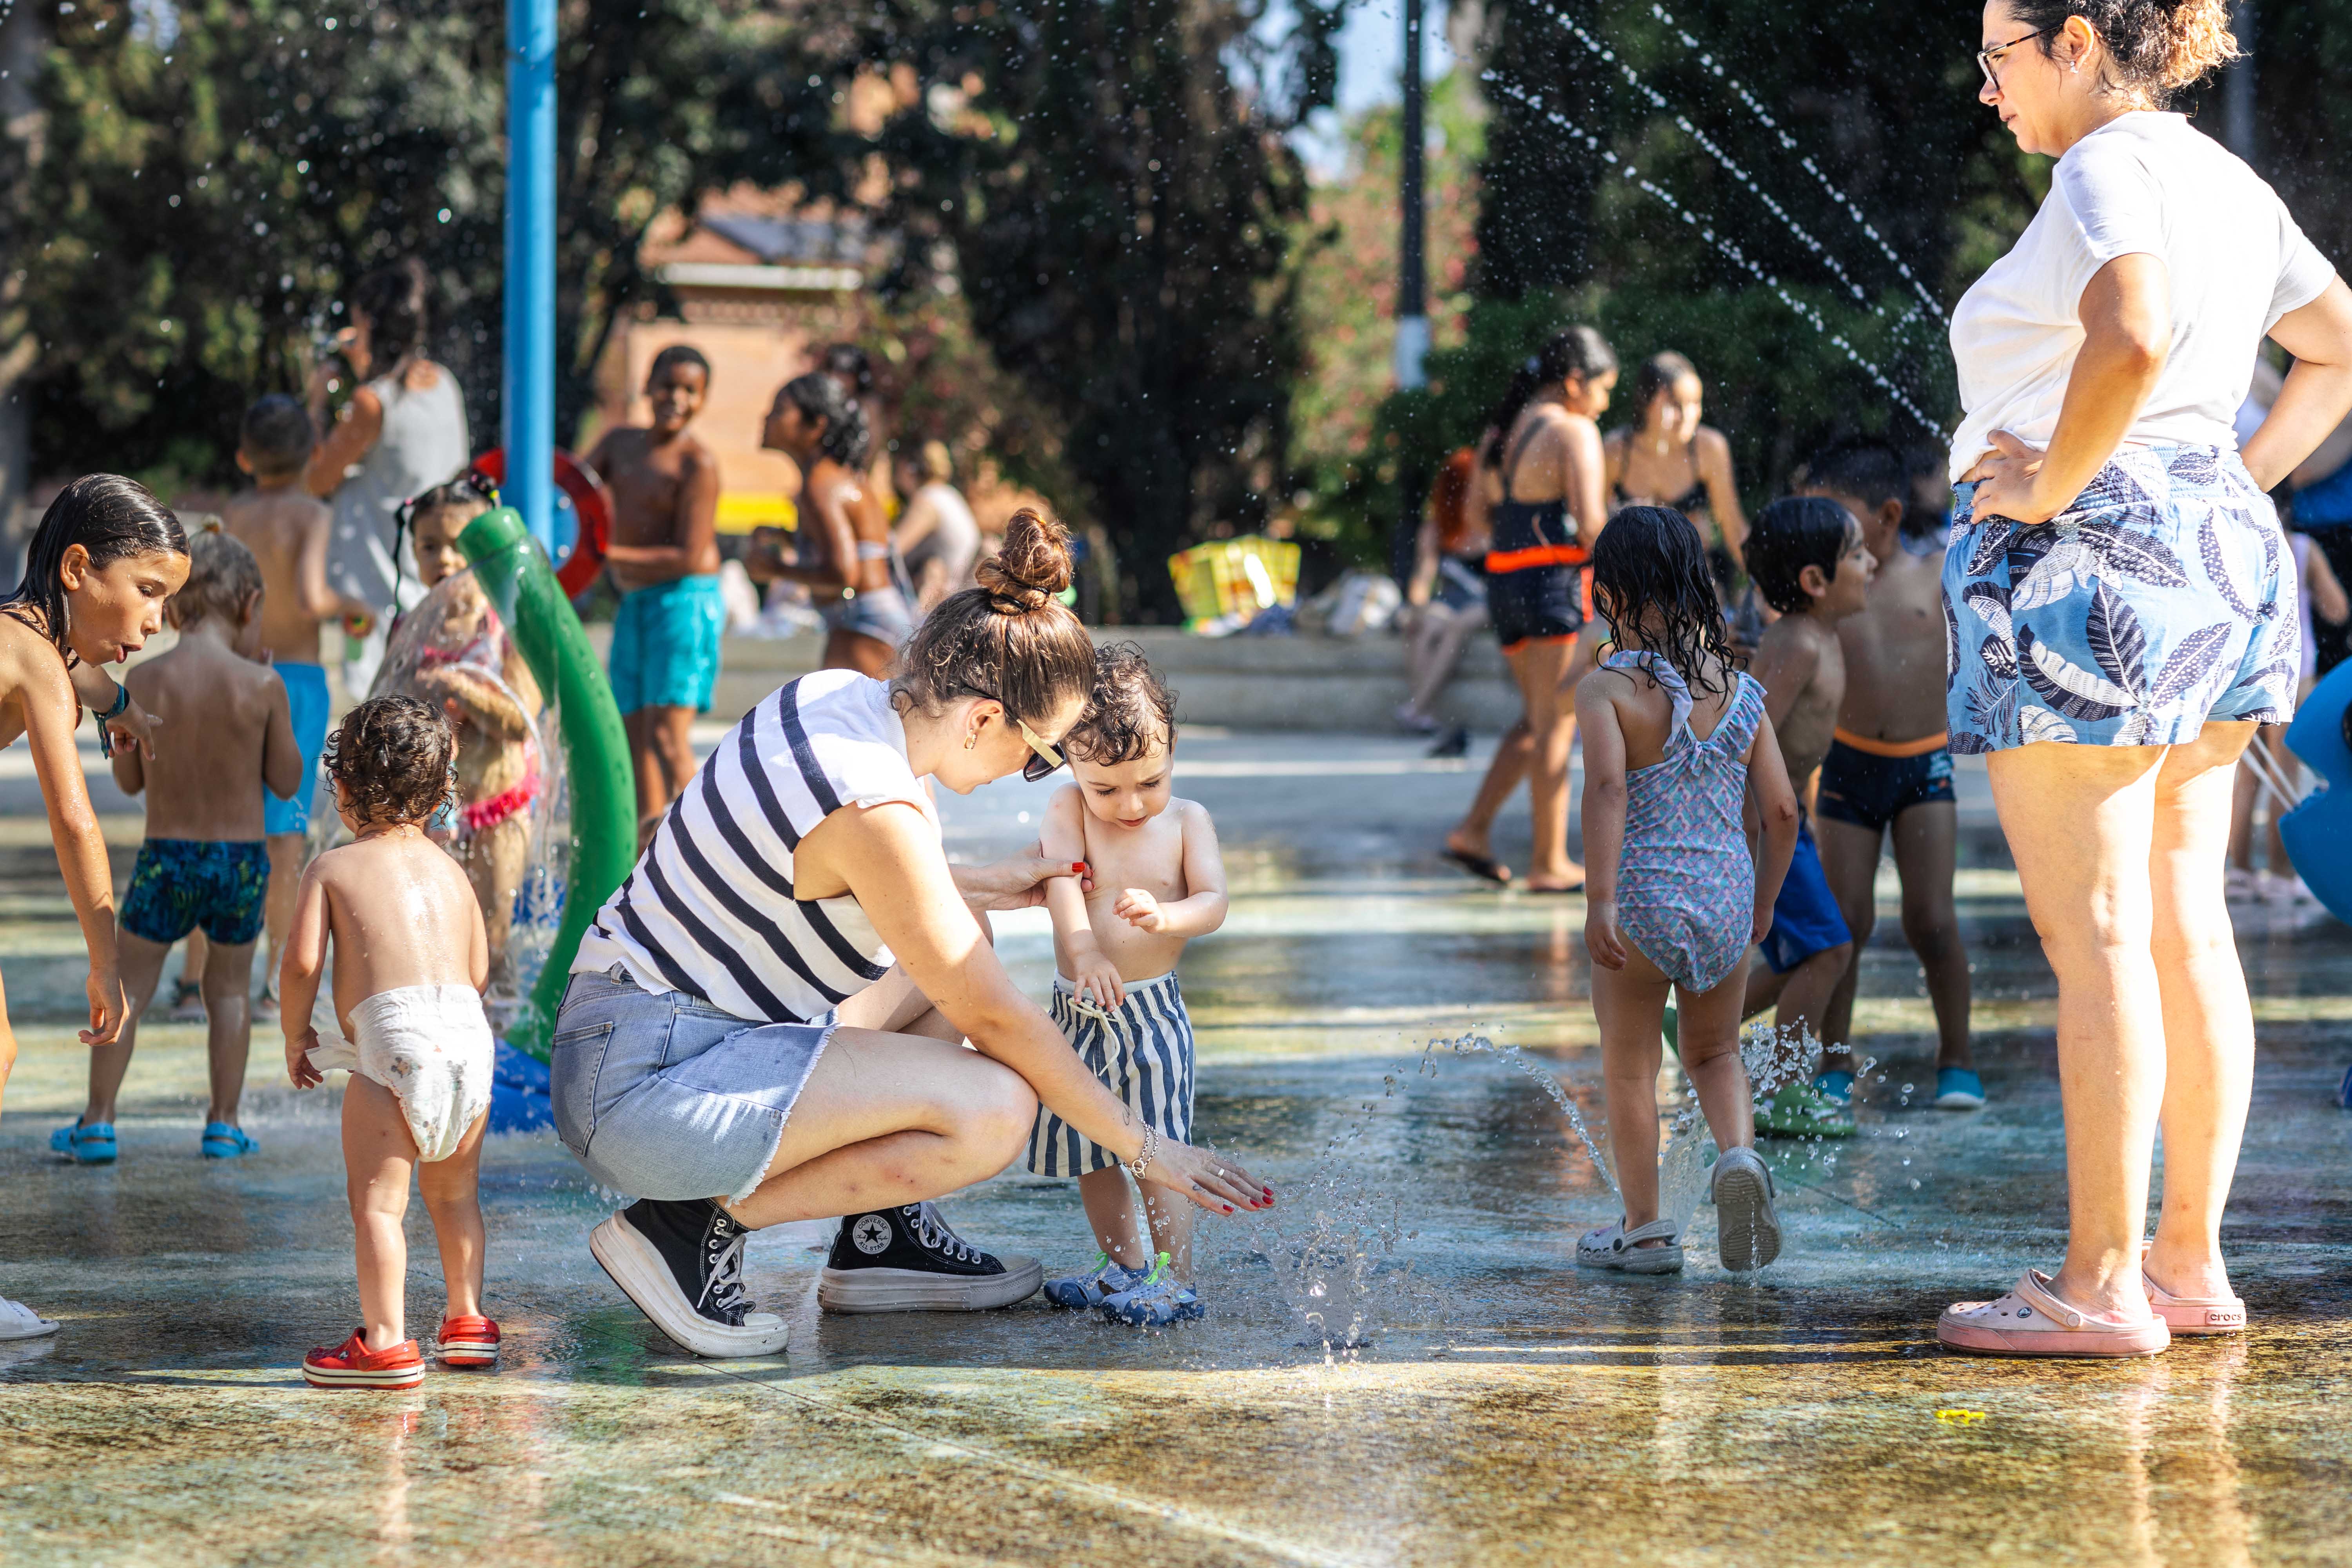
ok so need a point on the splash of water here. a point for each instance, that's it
(1727, 246)
(1471, 1045)
(1789, 144)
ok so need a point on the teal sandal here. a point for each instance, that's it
(223, 1141)
(90, 1145)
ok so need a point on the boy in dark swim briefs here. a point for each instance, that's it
(1889, 773)
(1809, 561)
(664, 559)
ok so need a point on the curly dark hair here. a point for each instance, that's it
(1650, 565)
(391, 760)
(1131, 711)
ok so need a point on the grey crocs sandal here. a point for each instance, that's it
(1614, 1247)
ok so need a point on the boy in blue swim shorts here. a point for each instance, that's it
(203, 864)
(663, 558)
(1808, 560)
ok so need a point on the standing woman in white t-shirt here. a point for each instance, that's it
(2121, 609)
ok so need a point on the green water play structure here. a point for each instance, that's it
(514, 571)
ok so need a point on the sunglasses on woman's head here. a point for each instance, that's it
(1044, 759)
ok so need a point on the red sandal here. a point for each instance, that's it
(352, 1365)
(469, 1342)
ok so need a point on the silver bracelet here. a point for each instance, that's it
(1142, 1162)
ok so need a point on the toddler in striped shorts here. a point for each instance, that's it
(1158, 882)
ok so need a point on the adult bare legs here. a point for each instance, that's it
(1432, 652)
(1546, 671)
(2148, 987)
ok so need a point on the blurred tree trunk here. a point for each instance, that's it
(20, 150)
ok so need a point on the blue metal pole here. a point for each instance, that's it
(528, 403)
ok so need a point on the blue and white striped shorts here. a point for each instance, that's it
(1142, 1051)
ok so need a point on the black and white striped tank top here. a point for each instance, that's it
(710, 909)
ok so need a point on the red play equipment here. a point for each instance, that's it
(589, 499)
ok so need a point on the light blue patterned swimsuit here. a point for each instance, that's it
(1685, 881)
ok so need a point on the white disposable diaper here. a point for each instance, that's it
(431, 1045)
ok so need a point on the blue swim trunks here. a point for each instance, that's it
(306, 694)
(1869, 785)
(1805, 918)
(2162, 597)
(179, 884)
(665, 645)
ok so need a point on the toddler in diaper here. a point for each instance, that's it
(411, 956)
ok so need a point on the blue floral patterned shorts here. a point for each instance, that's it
(2163, 597)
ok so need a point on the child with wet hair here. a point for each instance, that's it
(411, 960)
(102, 565)
(1158, 882)
(1811, 564)
(1676, 745)
(204, 864)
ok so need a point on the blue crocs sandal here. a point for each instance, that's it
(1958, 1089)
(90, 1145)
(1106, 1279)
(1156, 1300)
(223, 1141)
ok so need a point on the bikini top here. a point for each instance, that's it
(1691, 502)
(1731, 738)
(1528, 534)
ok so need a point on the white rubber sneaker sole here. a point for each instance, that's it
(635, 1265)
(1633, 1261)
(1960, 1099)
(917, 1290)
(1746, 1231)
(390, 1377)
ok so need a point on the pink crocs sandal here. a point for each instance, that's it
(2032, 1322)
(2195, 1315)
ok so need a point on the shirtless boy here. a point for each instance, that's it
(663, 558)
(230, 737)
(1808, 558)
(288, 529)
(1159, 882)
(1887, 768)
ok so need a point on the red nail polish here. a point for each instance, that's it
(1229, 1208)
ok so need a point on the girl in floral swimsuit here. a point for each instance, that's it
(1675, 740)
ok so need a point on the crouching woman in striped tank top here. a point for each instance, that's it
(765, 1022)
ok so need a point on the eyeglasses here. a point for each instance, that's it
(1985, 57)
(1044, 758)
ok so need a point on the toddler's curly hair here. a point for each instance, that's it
(390, 759)
(1131, 710)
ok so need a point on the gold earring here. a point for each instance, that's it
(970, 738)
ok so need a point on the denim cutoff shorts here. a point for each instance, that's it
(2162, 597)
(663, 1096)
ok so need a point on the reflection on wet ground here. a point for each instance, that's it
(1506, 1406)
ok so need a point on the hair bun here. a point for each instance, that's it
(1033, 567)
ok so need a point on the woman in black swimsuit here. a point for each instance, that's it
(1544, 452)
(1672, 460)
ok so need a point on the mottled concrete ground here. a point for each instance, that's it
(1506, 1407)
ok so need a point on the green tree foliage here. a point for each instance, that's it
(1113, 188)
(214, 177)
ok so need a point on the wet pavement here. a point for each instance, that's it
(1502, 1406)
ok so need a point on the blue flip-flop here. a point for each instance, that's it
(90, 1145)
(223, 1141)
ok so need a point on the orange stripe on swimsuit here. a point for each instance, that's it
(1919, 748)
(1537, 555)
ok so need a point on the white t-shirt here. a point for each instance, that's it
(2143, 183)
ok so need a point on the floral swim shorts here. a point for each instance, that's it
(2162, 597)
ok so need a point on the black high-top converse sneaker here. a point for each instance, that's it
(907, 1260)
(682, 1264)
